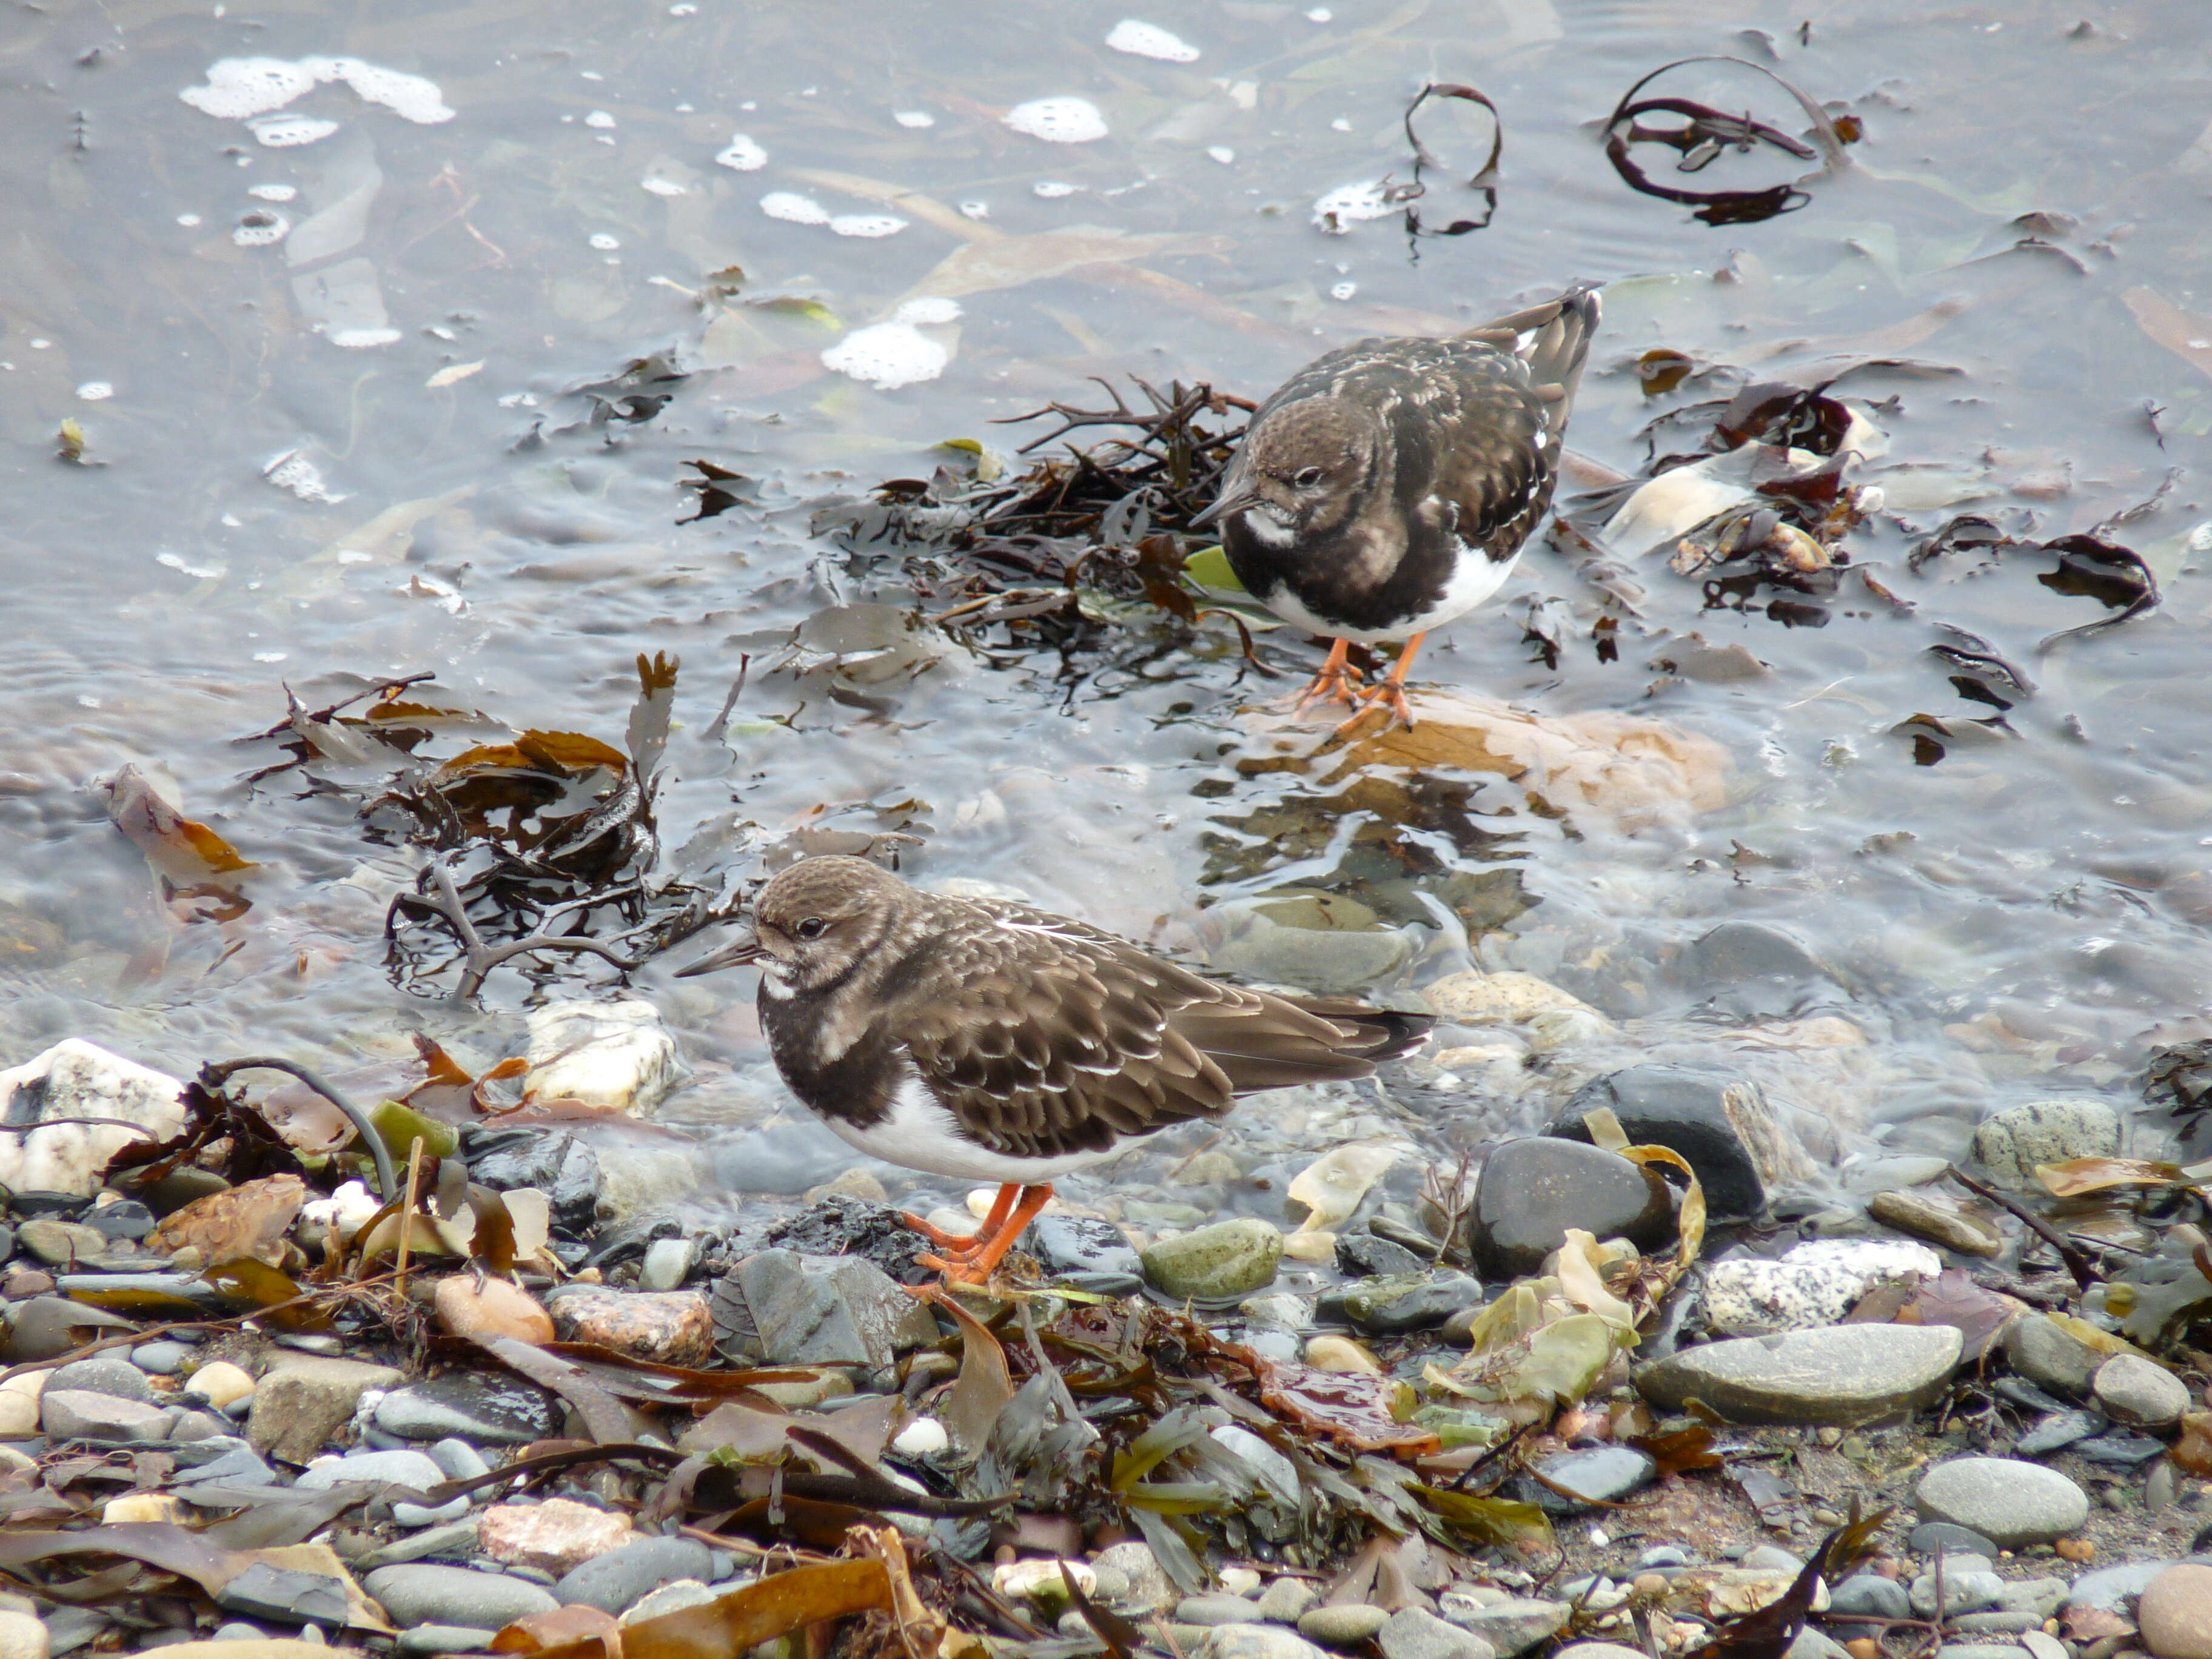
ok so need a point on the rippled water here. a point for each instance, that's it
(323, 370)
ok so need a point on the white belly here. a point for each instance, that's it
(921, 1134)
(1473, 582)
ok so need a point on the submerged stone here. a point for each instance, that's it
(1722, 1126)
(1229, 1258)
(1845, 1375)
(1532, 1190)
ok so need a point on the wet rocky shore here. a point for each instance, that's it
(1310, 1381)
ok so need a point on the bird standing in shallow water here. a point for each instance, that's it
(1387, 488)
(989, 1042)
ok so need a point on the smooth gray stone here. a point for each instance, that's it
(160, 1359)
(419, 1593)
(1842, 1374)
(1532, 1189)
(1088, 1252)
(2110, 1589)
(1342, 1626)
(80, 1414)
(1218, 1608)
(830, 1310)
(483, 1407)
(2118, 1448)
(108, 1374)
(2008, 1501)
(615, 1582)
(1963, 1592)
(444, 1638)
(1932, 1535)
(1998, 1620)
(285, 1595)
(1249, 1641)
(2043, 1352)
(1515, 1624)
(1871, 1594)
(457, 1542)
(457, 1460)
(1601, 1475)
(2056, 1432)
(1413, 1633)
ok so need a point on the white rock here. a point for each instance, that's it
(1021, 1580)
(220, 1383)
(1814, 1284)
(349, 1208)
(614, 1054)
(666, 1262)
(923, 1437)
(1058, 120)
(1141, 39)
(75, 1078)
(22, 1635)
(19, 1405)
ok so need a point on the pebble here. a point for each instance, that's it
(1810, 1286)
(1342, 1354)
(405, 1468)
(1216, 1607)
(417, 1593)
(80, 1414)
(1343, 1626)
(925, 1437)
(675, 1596)
(1088, 1252)
(1415, 1633)
(613, 1054)
(1696, 1114)
(1148, 1589)
(1513, 1624)
(1286, 1600)
(666, 1262)
(1843, 1374)
(58, 1243)
(1407, 1302)
(107, 1374)
(1936, 1219)
(2043, 1351)
(304, 1399)
(2110, 1589)
(2133, 1389)
(1255, 1642)
(1602, 1474)
(1930, 1536)
(1871, 1594)
(1599, 1651)
(428, 1640)
(1228, 1259)
(615, 1581)
(1277, 1312)
(143, 1506)
(825, 1310)
(455, 1542)
(2041, 1645)
(2006, 1500)
(163, 1358)
(1363, 1256)
(1977, 1650)
(669, 1328)
(2119, 1449)
(486, 1407)
(492, 1307)
(19, 1405)
(1963, 1591)
(2175, 1614)
(556, 1536)
(22, 1635)
(2057, 1431)
(2011, 1143)
(220, 1384)
(1532, 1189)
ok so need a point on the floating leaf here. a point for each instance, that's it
(2077, 1175)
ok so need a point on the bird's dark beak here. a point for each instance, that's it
(747, 948)
(1223, 507)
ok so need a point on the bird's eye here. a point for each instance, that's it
(1308, 477)
(812, 928)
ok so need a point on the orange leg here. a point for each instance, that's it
(975, 1269)
(953, 1244)
(1390, 689)
(1338, 681)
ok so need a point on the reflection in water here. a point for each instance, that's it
(449, 420)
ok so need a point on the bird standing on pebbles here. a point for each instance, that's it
(986, 1041)
(1387, 488)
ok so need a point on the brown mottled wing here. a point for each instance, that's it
(1066, 1039)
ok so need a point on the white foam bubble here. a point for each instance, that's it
(1151, 40)
(604, 243)
(660, 186)
(188, 220)
(743, 155)
(292, 470)
(205, 572)
(896, 353)
(975, 210)
(1320, 14)
(1222, 154)
(1058, 120)
(290, 131)
(1052, 190)
(272, 192)
(360, 339)
(1344, 290)
(1348, 203)
(914, 118)
(93, 392)
(790, 205)
(866, 224)
(261, 229)
(239, 88)
(598, 118)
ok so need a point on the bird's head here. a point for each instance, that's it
(1304, 471)
(813, 923)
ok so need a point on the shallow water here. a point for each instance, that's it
(355, 451)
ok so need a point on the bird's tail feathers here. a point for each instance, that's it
(1552, 339)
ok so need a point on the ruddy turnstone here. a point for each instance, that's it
(1386, 488)
(986, 1041)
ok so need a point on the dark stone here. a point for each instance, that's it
(1686, 1111)
(627, 1239)
(842, 1226)
(483, 1407)
(282, 1593)
(2117, 1449)
(1408, 1237)
(129, 1219)
(1404, 1301)
(1950, 1538)
(557, 1163)
(1752, 971)
(2057, 1431)
(1363, 1255)
(1602, 1474)
(187, 1184)
(1871, 1594)
(37, 1205)
(1533, 1190)
(2021, 1392)
(617, 1580)
(1088, 1252)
